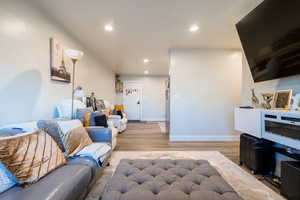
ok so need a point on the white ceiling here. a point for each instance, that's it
(148, 28)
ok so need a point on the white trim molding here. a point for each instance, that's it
(154, 119)
(212, 138)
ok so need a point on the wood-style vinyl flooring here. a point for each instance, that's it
(147, 136)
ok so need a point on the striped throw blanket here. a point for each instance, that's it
(99, 152)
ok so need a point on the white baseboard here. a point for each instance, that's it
(153, 119)
(216, 138)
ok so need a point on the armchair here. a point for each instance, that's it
(118, 122)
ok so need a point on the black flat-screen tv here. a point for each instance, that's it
(270, 36)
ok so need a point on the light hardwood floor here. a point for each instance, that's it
(147, 136)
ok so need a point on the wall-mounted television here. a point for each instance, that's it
(270, 36)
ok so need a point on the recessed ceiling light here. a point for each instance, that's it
(146, 72)
(108, 27)
(146, 60)
(194, 28)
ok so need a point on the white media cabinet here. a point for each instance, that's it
(282, 127)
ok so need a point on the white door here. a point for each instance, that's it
(132, 100)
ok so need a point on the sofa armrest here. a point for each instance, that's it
(100, 134)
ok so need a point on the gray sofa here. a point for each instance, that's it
(70, 182)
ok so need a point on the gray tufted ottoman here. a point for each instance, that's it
(167, 180)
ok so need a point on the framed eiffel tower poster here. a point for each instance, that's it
(60, 64)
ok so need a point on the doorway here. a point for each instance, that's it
(132, 100)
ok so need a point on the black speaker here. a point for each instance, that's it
(257, 154)
(290, 179)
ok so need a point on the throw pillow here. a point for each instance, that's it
(7, 132)
(82, 114)
(31, 156)
(93, 115)
(118, 112)
(87, 119)
(53, 129)
(74, 137)
(7, 179)
(120, 107)
(101, 120)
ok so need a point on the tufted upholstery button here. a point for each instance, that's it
(169, 183)
(187, 192)
(197, 182)
(141, 168)
(122, 191)
(155, 192)
(140, 182)
(129, 162)
(140, 178)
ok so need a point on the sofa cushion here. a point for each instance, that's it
(84, 161)
(31, 156)
(69, 182)
(100, 134)
(74, 136)
(53, 129)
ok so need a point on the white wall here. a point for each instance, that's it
(266, 86)
(26, 92)
(153, 96)
(205, 88)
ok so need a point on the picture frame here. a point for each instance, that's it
(282, 100)
(60, 64)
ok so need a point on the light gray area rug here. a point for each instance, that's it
(248, 187)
